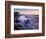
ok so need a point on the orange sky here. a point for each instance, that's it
(28, 12)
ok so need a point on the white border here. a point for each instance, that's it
(26, 31)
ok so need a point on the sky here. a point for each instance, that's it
(27, 11)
